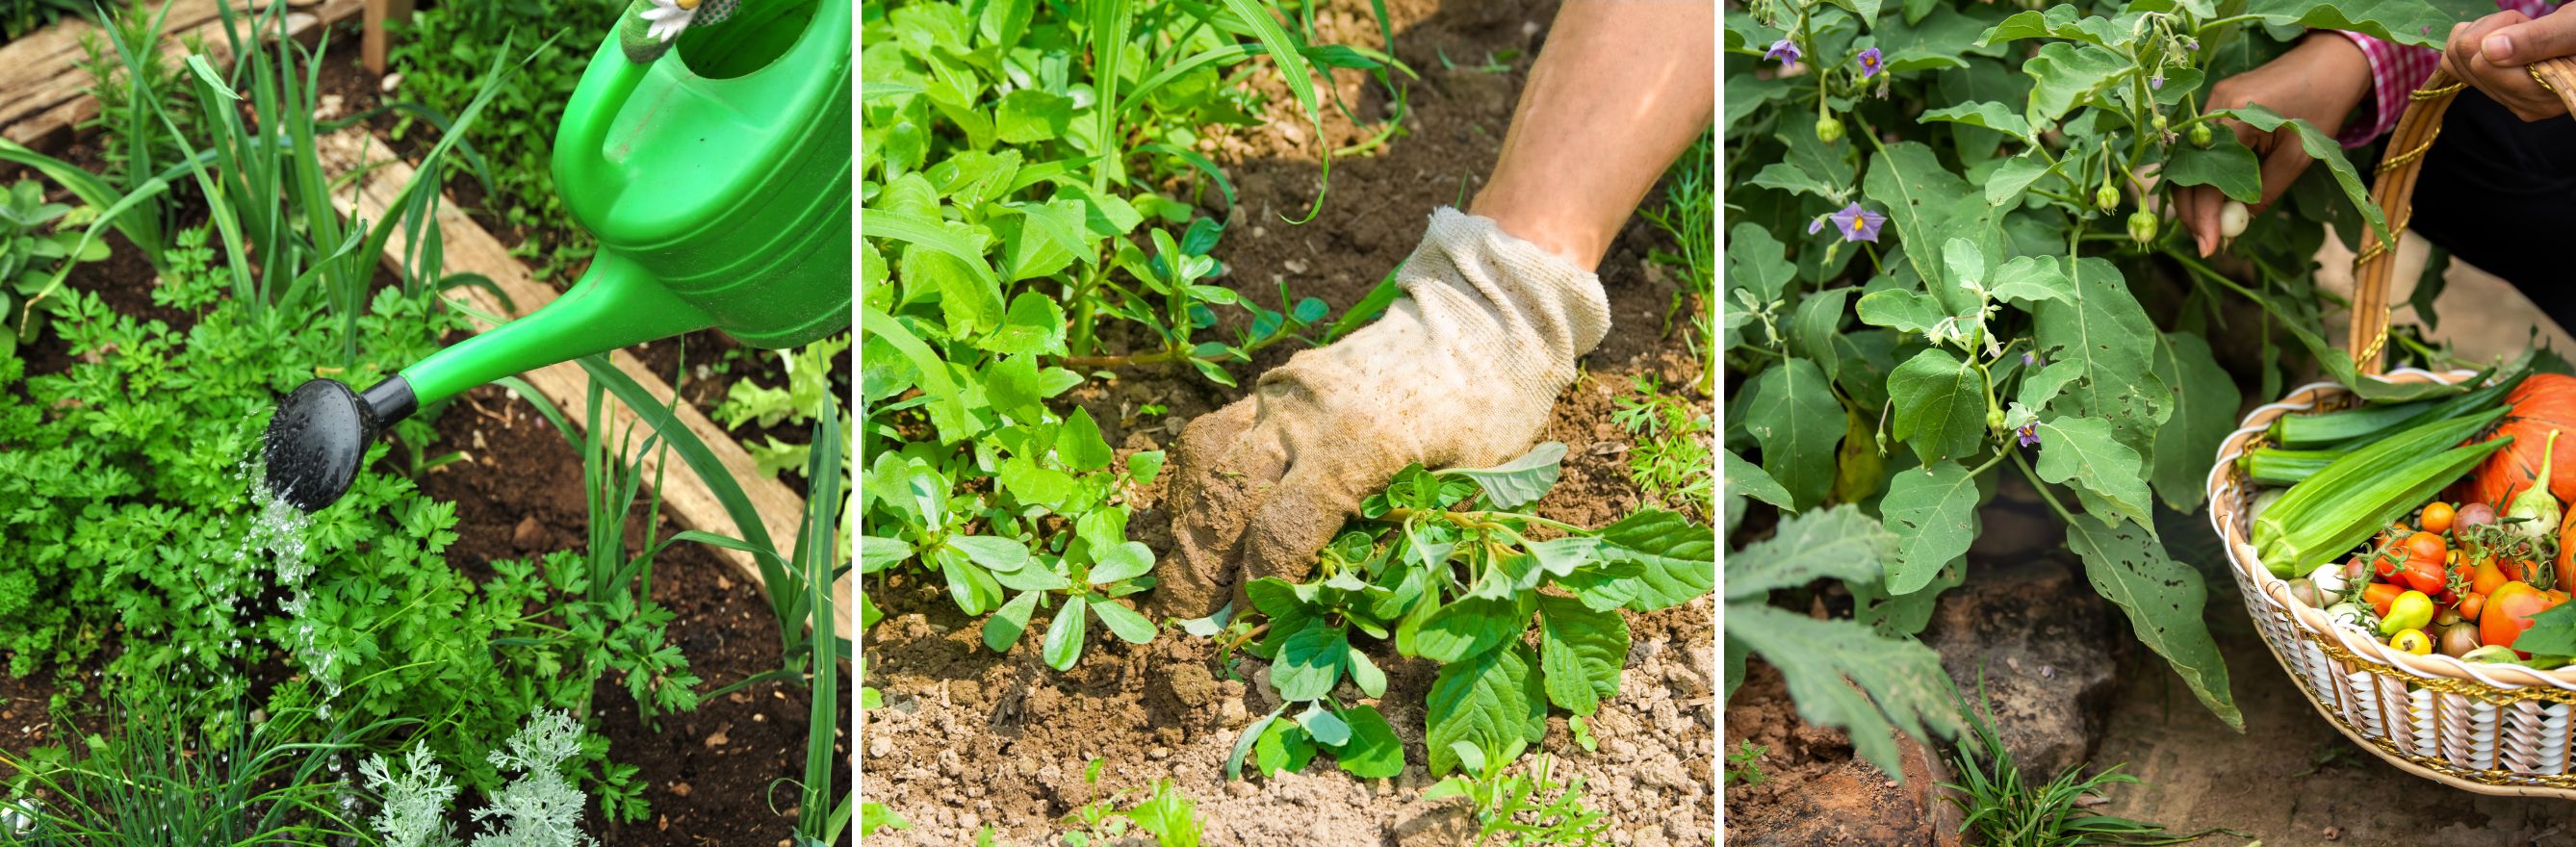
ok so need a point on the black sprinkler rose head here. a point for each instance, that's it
(319, 437)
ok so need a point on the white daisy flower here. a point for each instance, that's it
(669, 18)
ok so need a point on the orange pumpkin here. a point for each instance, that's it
(2567, 550)
(2543, 402)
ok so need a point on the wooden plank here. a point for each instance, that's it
(44, 93)
(373, 40)
(469, 249)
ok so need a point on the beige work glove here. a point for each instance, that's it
(1461, 373)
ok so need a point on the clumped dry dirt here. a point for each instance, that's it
(969, 738)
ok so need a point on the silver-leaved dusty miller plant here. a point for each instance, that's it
(538, 809)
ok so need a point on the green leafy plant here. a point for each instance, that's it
(125, 463)
(1744, 766)
(1017, 228)
(810, 376)
(1527, 809)
(1937, 262)
(33, 252)
(1441, 564)
(444, 54)
(610, 622)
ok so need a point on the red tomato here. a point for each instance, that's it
(2509, 612)
(2427, 577)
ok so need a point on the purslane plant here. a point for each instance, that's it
(1014, 162)
(1443, 565)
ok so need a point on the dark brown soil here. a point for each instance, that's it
(969, 737)
(519, 496)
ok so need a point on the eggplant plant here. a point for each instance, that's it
(1949, 217)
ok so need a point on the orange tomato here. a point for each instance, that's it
(2470, 605)
(2509, 612)
(2437, 517)
(2380, 594)
(2485, 577)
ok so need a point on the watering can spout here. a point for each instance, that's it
(319, 436)
(717, 179)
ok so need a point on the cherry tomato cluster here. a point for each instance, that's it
(2453, 583)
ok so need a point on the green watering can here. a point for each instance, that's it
(718, 182)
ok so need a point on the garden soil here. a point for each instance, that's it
(968, 737)
(710, 772)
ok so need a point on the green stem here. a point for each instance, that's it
(2223, 22)
(754, 679)
(2041, 486)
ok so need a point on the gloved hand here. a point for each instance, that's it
(1461, 373)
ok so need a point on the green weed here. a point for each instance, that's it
(1020, 226)
(2002, 809)
(1744, 766)
(1443, 564)
(1526, 809)
(1672, 459)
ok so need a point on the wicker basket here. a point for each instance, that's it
(2492, 729)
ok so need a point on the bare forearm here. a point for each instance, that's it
(1619, 91)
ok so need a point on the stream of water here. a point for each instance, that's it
(277, 533)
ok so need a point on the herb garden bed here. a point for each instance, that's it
(968, 739)
(719, 773)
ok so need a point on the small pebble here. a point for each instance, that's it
(391, 82)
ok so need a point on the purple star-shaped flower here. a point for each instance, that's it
(2029, 433)
(1857, 224)
(1783, 51)
(1871, 62)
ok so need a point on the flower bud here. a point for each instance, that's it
(1829, 129)
(2200, 135)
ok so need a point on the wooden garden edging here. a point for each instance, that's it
(44, 93)
(469, 249)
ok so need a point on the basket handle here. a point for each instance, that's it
(2393, 192)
